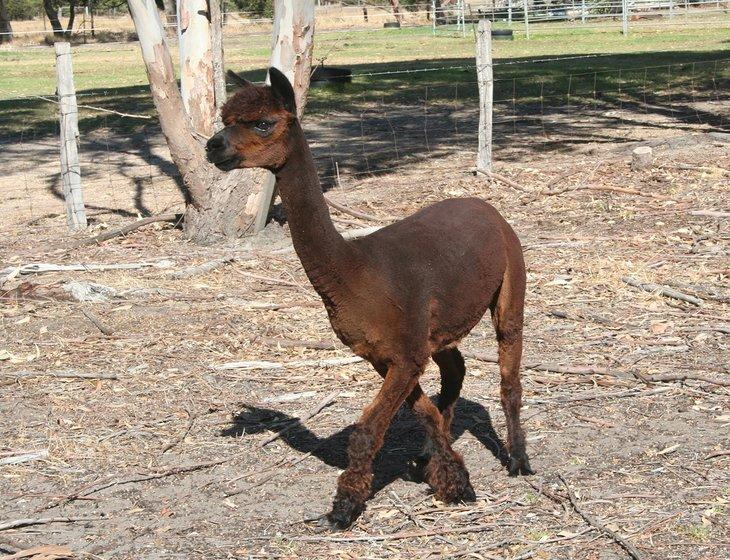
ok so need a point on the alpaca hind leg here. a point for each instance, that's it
(507, 316)
(451, 366)
(445, 471)
(354, 484)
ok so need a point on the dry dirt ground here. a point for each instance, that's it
(162, 453)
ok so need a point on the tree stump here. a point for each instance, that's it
(641, 158)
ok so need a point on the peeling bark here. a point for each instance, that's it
(293, 41)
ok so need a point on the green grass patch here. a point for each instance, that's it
(684, 60)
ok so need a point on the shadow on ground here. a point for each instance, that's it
(403, 442)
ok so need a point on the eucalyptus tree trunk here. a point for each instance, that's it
(6, 31)
(219, 205)
(396, 11)
(53, 18)
(291, 52)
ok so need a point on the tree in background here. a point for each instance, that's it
(6, 31)
(219, 205)
(51, 7)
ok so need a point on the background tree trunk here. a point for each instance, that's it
(396, 11)
(170, 17)
(53, 18)
(291, 52)
(6, 31)
(71, 18)
(292, 44)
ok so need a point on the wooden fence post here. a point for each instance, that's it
(70, 167)
(486, 93)
(527, 21)
(624, 17)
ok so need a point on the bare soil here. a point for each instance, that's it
(166, 460)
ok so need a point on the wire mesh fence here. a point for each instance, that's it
(382, 122)
(454, 18)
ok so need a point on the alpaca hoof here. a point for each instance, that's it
(520, 466)
(343, 514)
(449, 479)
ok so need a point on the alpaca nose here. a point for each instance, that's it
(214, 144)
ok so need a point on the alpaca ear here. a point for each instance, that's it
(283, 89)
(237, 80)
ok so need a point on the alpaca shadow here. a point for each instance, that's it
(403, 441)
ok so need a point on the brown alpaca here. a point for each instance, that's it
(406, 293)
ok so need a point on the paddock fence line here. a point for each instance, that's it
(458, 18)
(383, 127)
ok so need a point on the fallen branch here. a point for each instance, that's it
(254, 364)
(201, 268)
(43, 552)
(592, 396)
(44, 521)
(300, 420)
(356, 213)
(191, 421)
(40, 268)
(286, 343)
(401, 535)
(626, 545)
(659, 377)
(717, 454)
(62, 374)
(502, 179)
(97, 323)
(710, 213)
(107, 235)
(540, 366)
(24, 457)
(141, 478)
(661, 290)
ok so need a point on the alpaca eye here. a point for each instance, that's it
(262, 126)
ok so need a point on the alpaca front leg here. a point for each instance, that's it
(354, 485)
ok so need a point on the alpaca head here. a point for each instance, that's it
(257, 121)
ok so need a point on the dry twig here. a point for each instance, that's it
(44, 521)
(600, 526)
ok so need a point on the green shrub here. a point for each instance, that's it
(23, 9)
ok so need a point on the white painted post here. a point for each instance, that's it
(433, 16)
(671, 9)
(69, 125)
(527, 22)
(583, 11)
(624, 17)
(509, 12)
(485, 79)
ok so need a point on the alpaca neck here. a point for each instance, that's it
(324, 254)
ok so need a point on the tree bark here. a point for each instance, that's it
(196, 64)
(170, 17)
(53, 18)
(396, 11)
(219, 204)
(292, 44)
(6, 30)
(71, 18)
(291, 52)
